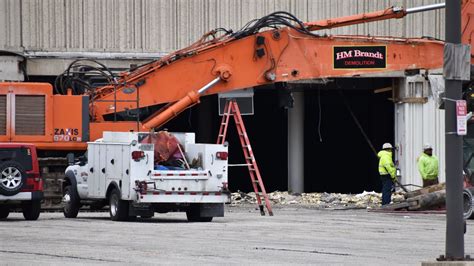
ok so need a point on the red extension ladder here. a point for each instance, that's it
(232, 109)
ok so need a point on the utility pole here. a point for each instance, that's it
(454, 159)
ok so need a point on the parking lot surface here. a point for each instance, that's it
(295, 235)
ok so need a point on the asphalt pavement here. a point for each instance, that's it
(294, 235)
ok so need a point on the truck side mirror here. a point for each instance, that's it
(82, 160)
(70, 158)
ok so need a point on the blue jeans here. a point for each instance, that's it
(387, 185)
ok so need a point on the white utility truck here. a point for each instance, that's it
(120, 170)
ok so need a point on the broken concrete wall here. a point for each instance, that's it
(11, 67)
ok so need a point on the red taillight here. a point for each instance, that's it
(33, 183)
(222, 155)
(138, 155)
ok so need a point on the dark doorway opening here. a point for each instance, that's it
(337, 155)
(342, 162)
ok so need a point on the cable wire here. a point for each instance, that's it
(273, 20)
(320, 116)
(69, 78)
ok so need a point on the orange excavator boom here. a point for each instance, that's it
(389, 13)
(252, 57)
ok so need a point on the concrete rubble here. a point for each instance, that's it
(319, 200)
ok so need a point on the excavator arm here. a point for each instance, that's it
(252, 57)
(389, 13)
(293, 58)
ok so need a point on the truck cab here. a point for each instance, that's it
(126, 171)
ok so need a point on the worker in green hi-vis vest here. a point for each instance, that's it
(387, 172)
(428, 165)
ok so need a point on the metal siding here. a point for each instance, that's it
(415, 125)
(43, 24)
(167, 25)
(10, 25)
(74, 26)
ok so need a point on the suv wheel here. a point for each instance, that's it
(118, 207)
(12, 178)
(71, 202)
(31, 210)
(4, 211)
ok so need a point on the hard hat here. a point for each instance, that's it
(387, 146)
(427, 146)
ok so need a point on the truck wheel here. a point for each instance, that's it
(471, 190)
(4, 211)
(12, 178)
(31, 210)
(194, 215)
(71, 202)
(118, 207)
(467, 203)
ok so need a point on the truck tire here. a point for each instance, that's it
(31, 210)
(12, 178)
(194, 215)
(4, 211)
(467, 204)
(71, 202)
(118, 208)
(471, 189)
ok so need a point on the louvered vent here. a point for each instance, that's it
(3, 114)
(29, 115)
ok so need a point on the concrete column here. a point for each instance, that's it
(296, 144)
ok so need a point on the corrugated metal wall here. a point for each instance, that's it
(166, 25)
(415, 125)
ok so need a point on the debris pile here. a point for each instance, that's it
(319, 200)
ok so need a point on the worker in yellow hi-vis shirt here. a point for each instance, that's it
(428, 166)
(387, 172)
